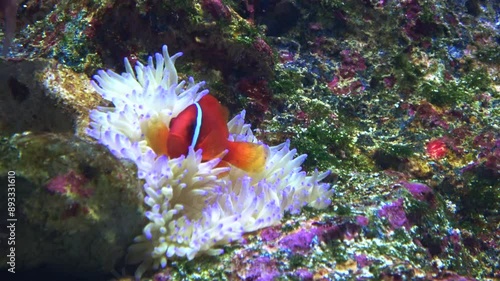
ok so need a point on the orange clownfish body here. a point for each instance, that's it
(203, 125)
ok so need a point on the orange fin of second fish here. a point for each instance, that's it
(157, 136)
(247, 156)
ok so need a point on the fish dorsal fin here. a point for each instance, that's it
(214, 116)
(213, 131)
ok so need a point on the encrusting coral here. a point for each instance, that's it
(193, 206)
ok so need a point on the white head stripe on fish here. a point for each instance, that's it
(197, 128)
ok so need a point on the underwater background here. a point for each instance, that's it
(399, 99)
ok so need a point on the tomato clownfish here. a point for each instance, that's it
(203, 125)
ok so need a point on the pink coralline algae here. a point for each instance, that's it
(412, 12)
(430, 117)
(488, 143)
(389, 81)
(258, 91)
(354, 87)
(417, 26)
(455, 238)
(352, 62)
(488, 157)
(395, 214)
(216, 9)
(263, 48)
(344, 229)
(345, 81)
(455, 139)
(302, 241)
(69, 183)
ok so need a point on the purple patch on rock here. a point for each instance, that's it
(339, 230)
(304, 274)
(362, 221)
(418, 190)
(71, 182)
(216, 9)
(395, 214)
(262, 269)
(162, 276)
(299, 241)
(362, 260)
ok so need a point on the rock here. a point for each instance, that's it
(43, 96)
(77, 207)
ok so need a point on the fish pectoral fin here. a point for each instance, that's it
(247, 156)
(177, 146)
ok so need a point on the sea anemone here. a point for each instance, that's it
(193, 206)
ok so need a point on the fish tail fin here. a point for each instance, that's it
(247, 156)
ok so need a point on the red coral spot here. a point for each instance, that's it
(436, 149)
